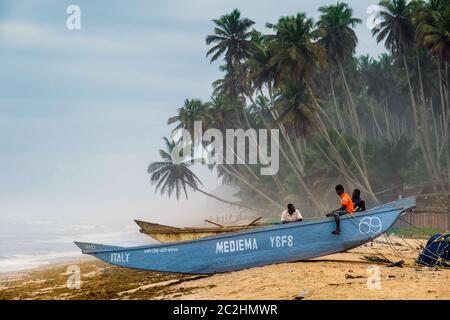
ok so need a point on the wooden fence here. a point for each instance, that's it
(431, 218)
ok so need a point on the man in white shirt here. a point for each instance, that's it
(291, 214)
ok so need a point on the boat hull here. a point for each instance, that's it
(183, 236)
(169, 234)
(256, 247)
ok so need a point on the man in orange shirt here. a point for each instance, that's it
(346, 207)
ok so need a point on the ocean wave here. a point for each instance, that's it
(26, 247)
(25, 262)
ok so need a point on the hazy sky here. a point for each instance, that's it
(82, 112)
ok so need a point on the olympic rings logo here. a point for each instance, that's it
(370, 225)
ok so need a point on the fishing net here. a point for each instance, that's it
(436, 251)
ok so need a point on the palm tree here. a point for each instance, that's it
(397, 30)
(296, 108)
(434, 28)
(379, 78)
(296, 54)
(191, 111)
(221, 111)
(433, 32)
(170, 177)
(335, 28)
(260, 70)
(336, 31)
(234, 39)
(231, 37)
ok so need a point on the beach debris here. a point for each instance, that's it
(376, 259)
(350, 276)
(421, 269)
(437, 269)
(166, 283)
(396, 264)
(302, 294)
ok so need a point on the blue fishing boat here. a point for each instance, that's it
(255, 247)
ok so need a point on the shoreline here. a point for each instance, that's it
(47, 264)
(66, 261)
(344, 275)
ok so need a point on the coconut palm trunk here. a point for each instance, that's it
(445, 117)
(416, 124)
(336, 105)
(231, 203)
(426, 126)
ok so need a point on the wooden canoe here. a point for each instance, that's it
(168, 234)
(255, 247)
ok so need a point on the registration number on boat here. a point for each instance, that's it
(282, 241)
(161, 250)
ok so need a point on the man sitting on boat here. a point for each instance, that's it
(346, 207)
(358, 203)
(291, 214)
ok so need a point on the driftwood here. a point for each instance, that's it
(376, 259)
(350, 276)
(396, 264)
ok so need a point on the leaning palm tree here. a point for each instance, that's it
(231, 38)
(296, 108)
(173, 178)
(336, 25)
(191, 111)
(397, 32)
(261, 72)
(296, 53)
(228, 86)
(335, 28)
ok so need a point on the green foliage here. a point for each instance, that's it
(304, 79)
(170, 177)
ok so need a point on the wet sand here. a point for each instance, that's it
(340, 276)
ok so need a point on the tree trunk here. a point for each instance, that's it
(413, 100)
(297, 171)
(341, 124)
(322, 128)
(426, 129)
(231, 203)
(416, 123)
(354, 116)
(445, 113)
(251, 186)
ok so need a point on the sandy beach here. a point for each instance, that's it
(346, 275)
